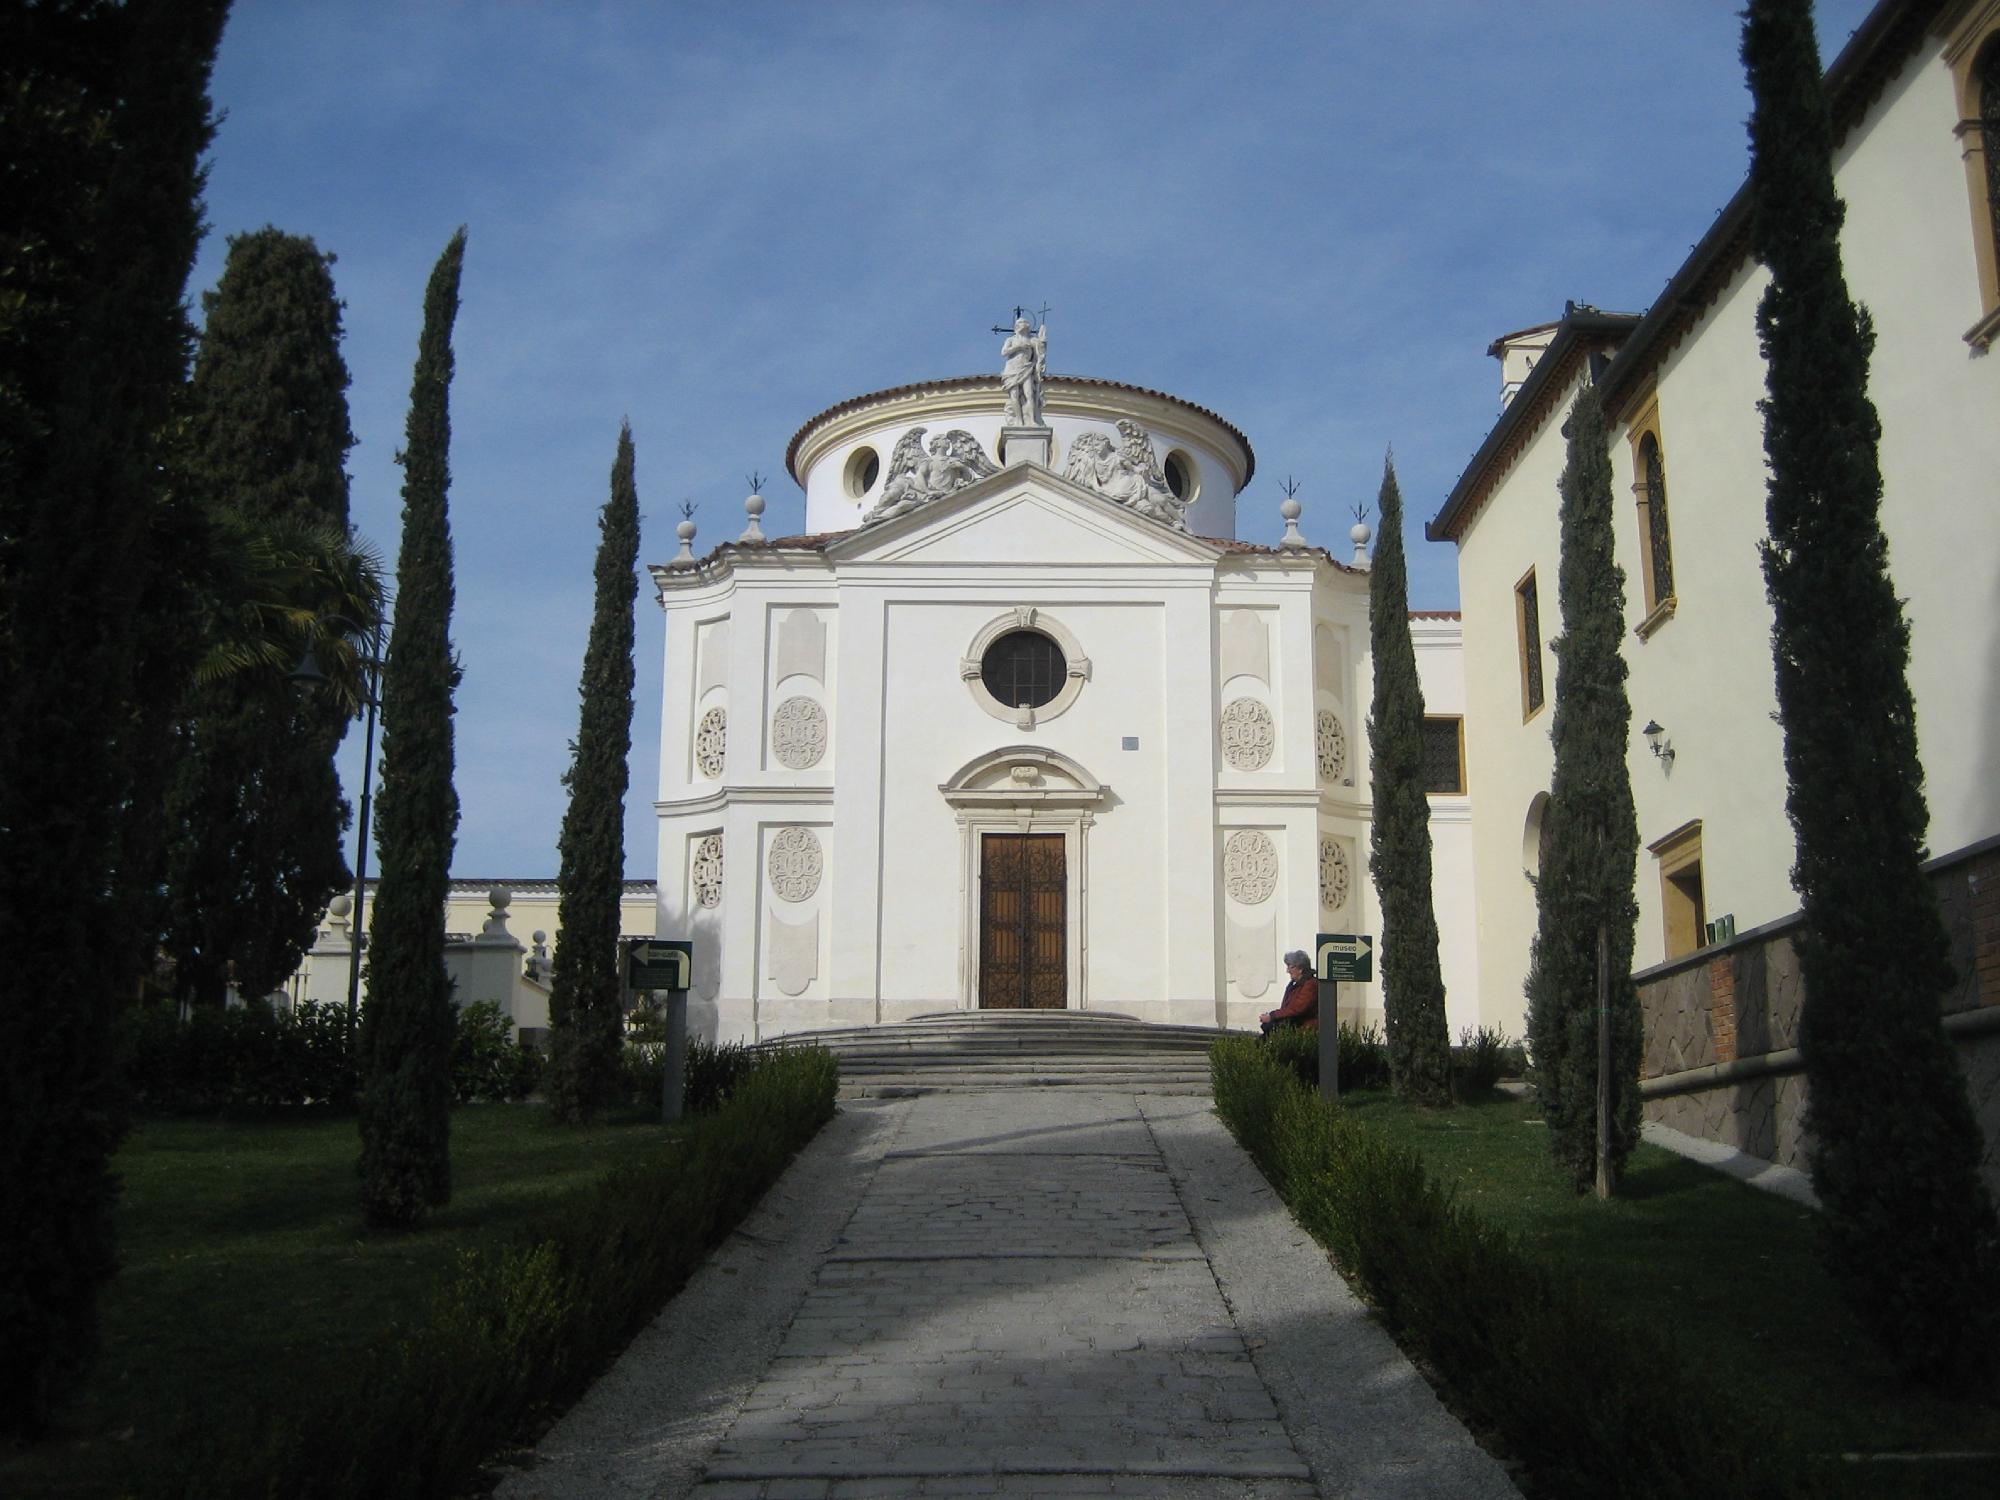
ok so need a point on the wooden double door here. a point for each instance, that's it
(1023, 922)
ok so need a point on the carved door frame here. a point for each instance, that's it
(1030, 869)
(1073, 825)
(989, 797)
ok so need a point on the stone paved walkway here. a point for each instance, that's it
(1029, 1292)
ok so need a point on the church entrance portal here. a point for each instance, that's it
(1023, 887)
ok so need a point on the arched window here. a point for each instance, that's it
(1987, 72)
(1659, 540)
(1975, 58)
(1656, 540)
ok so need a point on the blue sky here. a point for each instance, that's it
(716, 220)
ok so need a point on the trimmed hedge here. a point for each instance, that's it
(254, 1059)
(519, 1332)
(712, 1072)
(1480, 1060)
(1364, 1055)
(1593, 1406)
(242, 1058)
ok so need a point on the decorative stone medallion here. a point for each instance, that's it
(798, 733)
(794, 862)
(708, 870)
(711, 739)
(1250, 867)
(1248, 734)
(1332, 745)
(1335, 879)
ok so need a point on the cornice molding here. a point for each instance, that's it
(1074, 396)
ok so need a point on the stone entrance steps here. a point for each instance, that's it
(975, 1051)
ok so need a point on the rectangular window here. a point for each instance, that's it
(1683, 903)
(1444, 756)
(1528, 625)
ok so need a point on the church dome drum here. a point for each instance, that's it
(1169, 458)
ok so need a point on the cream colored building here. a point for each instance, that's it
(1019, 723)
(499, 938)
(1681, 385)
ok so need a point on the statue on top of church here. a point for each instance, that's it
(917, 478)
(1128, 473)
(1026, 353)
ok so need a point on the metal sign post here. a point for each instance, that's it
(1337, 956)
(665, 964)
(673, 1082)
(1329, 1042)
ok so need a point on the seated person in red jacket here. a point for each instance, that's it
(1300, 1007)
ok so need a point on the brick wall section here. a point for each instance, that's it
(1982, 889)
(1722, 1007)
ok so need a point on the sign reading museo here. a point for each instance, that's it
(1345, 957)
(658, 963)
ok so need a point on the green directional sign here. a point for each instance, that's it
(658, 963)
(1345, 957)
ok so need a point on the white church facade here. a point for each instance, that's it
(1018, 723)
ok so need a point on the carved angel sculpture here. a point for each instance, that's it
(1128, 474)
(1092, 460)
(916, 478)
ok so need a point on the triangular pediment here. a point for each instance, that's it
(1022, 515)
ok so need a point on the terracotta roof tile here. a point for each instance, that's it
(819, 541)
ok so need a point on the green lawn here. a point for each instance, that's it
(1732, 1271)
(245, 1262)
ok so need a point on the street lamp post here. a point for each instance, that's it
(307, 675)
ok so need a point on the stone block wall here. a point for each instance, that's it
(1720, 1058)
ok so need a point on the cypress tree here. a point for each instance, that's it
(254, 810)
(1400, 837)
(406, 1028)
(1908, 1226)
(585, 991)
(1590, 834)
(104, 117)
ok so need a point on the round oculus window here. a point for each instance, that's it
(1180, 477)
(864, 465)
(1023, 669)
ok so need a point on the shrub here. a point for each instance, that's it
(243, 1058)
(517, 1331)
(1591, 1405)
(1482, 1058)
(254, 1058)
(1364, 1055)
(713, 1071)
(487, 1064)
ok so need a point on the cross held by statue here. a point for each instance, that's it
(1020, 312)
